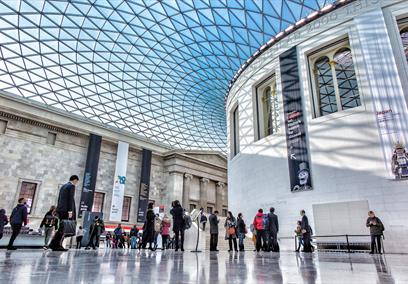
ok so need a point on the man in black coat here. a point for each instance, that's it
(65, 210)
(273, 229)
(96, 229)
(306, 232)
(18, 218)
(214, 221)
(179, 224)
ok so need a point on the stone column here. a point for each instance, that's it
(219, 196)
(203, 193)
(175, 187)
(186, 191)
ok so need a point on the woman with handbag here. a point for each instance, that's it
(242, 231)
(231, 231)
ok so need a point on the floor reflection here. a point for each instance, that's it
(122, 266)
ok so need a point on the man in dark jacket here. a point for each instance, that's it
(178, 224)
(273, 229)
(306, 232)
(17, 219)
(95, 231)
(214, 221)
(65, 211)
(376, 231)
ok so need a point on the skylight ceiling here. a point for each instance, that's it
(159, 69)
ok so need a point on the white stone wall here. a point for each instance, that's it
(346, 154)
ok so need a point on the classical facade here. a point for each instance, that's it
(318, 121)
(42, 147)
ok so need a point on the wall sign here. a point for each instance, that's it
(119, 182)
(91, 172)
(298, 157)
(144, 185)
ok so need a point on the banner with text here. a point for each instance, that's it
(144, 185)
(298, 157)
(90, 174)
(119, 182)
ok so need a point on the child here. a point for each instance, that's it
(298, 232)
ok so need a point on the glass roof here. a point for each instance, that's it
(159, 69)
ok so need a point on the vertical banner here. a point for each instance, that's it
(119, 182)
(298, 157)
(144, 185)
(91, 171)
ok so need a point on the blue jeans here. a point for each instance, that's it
(133, 242)
(241, 237)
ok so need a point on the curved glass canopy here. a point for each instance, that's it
(159, 69)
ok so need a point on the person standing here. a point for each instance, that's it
(298, 232)
(242, 231)
(273, 229)
(306, 232)
(259, 226)
(148, 228)
(157, 229)
(133, 237)
(65, 210)
(214, 221)
(230, 226)
(18, 218)
(95, 231)
(179, 224)
(3, 221)
(117, 233)
(203, 219)
(166, 224)
(49, 223)
(376, 231)
(79, 237)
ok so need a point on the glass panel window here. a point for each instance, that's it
(98, 201)
(224, 212)
(209, 210)
(126, 208)
(192, 207)
(346, 79)
(27, 191)
(335, 82)
(404, 39)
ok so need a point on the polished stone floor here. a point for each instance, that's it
(124, 266)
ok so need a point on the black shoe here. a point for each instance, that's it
(87, 248)
(371, 252)
(94, 248)
(182, 249)
(11, 248)
(176, 249)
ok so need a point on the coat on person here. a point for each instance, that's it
(148, 227)
(19, 215)
(157, 224)
(66, 201)
(97, 228)
(259, 223)
(230, 223)
(375, 225)
(213, 224)
(273, 224)
(178, 218)
(49, 220)
(241, 227)
(3, 221)
(166, 224)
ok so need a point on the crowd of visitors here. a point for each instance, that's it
(264, 228)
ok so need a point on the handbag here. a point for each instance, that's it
(231, 231)
(69, 227)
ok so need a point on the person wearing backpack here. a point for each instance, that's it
(259, 226)
(18, 218)
(133, 237)
(3, 221)
(157, 230)
(166, 224)
(179, 224)
(49, 223)
(376, 231)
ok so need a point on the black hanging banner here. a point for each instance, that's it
(91, 171)
(298, 157)
(144, 185)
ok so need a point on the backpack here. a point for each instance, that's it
(187, 221)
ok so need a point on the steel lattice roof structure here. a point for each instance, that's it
(159, 69)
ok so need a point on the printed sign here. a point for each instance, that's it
(119, 182)
(144, 185)
(298, 157)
